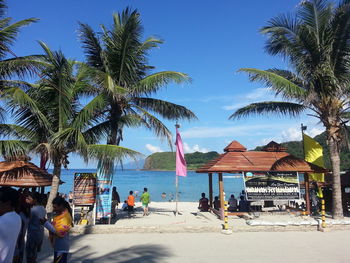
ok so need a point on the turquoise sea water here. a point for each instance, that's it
(157, 182)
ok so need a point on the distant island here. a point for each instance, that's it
(166, 160)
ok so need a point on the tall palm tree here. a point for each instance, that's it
(55, 123)
(120, 71)
(316, 42)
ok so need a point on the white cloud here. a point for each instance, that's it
(217, 132)
(291, 134)
(261, 94)
(315, 131)
(193, 149)
(153, 149)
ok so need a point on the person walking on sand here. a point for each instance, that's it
(10, 223)
(145, 200)
(131, 202)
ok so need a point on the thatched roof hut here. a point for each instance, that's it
(23, 174)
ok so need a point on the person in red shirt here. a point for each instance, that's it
(131, 202)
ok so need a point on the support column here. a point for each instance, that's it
(210, 175)
(307, 193)
(221, 192)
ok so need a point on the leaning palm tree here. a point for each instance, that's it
(55, 123)
(316, 42)
(119, 69)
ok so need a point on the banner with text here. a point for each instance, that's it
(272, 185)
(104, 195)
(84, 189)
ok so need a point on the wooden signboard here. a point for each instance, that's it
(84, 189)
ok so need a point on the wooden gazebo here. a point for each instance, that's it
(23, 174)
(272, 158)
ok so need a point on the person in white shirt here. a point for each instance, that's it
(10, 223)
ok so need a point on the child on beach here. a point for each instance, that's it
(131, 202)
(59, 229)
(145, 199)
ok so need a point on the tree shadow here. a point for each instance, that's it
(139, 253)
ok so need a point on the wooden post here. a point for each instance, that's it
(210, 175)
(307, 193)
(221, 192)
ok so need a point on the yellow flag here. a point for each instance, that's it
(314, 154)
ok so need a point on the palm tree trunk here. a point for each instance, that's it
(336, 185)
(54, 186)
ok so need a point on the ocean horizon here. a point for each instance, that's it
(158, 182)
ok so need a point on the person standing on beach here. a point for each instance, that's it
(115, 200)
(35, 234)
(131, 202)
(10, 223)
(59, 229)
(145, 200)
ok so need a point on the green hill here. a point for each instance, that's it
(296, 148)
(166, 160)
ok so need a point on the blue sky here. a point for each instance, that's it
(208, 40)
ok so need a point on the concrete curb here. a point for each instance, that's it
(111, 229)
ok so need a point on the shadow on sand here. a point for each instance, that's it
(140, 253)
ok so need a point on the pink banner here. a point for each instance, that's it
(181, 166)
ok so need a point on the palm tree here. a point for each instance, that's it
(119, 69)
(55, 123)
(316, 42)
(12, 66)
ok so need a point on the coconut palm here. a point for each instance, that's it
(120, 71)
(316, 43)
(12, 66)
(55, 123)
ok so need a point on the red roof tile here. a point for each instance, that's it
(235, 147)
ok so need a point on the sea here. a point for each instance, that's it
(159, 182)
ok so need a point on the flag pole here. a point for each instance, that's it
(306, 175)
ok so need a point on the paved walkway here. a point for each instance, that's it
(272, 247)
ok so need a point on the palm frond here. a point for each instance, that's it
(288, 88)
(276, 107)
(9, 32)
(165, 109)
(91, 46)
(152, 83)
(15, 147)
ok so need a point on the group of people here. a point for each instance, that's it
(129, 203)
(234, 206)
(22, 223)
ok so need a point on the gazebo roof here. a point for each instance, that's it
(272, 158)
(23, 174)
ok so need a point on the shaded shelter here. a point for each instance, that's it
(23, 174)
(272, 158)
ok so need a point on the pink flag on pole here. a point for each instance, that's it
(181, 166)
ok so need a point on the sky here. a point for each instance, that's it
(208, 40)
